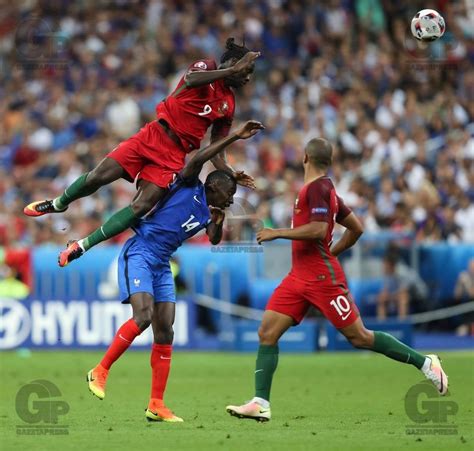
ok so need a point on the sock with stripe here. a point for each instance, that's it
(160, 362)
(388, 345)
(121, 342)
(265, 366)
(73, 192)
(116, 224)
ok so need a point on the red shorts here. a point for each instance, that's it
(151, 154)
(294, 296)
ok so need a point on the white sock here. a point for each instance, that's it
(426, 365)
(262, 402)
(55, 204)
(81, 245)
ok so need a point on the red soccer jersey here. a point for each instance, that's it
(191, 111)
(312, 260)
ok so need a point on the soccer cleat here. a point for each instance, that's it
(72, 252)
(40, 208)
(252, 410)
(157, 411)
(436, 374)
(96, 379)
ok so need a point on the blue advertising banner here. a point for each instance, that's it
(79, 324)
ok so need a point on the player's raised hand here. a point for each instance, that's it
(244, 179)
(266, 235)
(246, 63)
(217, 215)
(249, 129)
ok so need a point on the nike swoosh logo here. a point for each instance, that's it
(165, 358)
(347, 316)
(212, 86)
(258, 370)
(124, 339)
(196, 199)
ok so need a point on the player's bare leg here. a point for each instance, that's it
(386, 344)
(147, 196)
(107, 171)
(142, 305)
(162, 323)
(273, 326)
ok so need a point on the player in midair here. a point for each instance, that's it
(145, 278)
(203, 97)
(317, 278)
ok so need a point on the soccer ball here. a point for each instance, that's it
(427, 25)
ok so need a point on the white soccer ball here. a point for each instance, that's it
(427, 25)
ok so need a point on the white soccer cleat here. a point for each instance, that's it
(436, 374)
(252, 410)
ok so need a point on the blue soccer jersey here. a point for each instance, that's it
(144, 260)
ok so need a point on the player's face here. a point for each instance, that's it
(222, 196)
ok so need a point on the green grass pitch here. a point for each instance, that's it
(321, 401)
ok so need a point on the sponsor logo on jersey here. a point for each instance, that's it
(320, 210)
(201, 65)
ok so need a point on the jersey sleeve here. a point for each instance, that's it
(318, 202)
(343, 212)
(202, 65)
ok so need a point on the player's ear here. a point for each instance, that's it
(305, 158)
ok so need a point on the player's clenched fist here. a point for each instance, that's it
(266, 235)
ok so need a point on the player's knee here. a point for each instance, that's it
(143, 317)
(266, 336)
(98, 177)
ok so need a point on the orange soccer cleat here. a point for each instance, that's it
(72, 252)
(157, 411)
(97, 378)
(40, 208)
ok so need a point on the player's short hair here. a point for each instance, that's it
(319, 153)
(233, 50)
(222, 177)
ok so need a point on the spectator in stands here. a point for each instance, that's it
(464, 289)
(405, 134)
(464, 292)
(401, 287)
(11, 287)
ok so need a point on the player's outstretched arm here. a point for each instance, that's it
(195, 78)
(315, 230)
(214, 228)
(354, 230)
(193, 168)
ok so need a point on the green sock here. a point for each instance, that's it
(117, 223)
(267, 362)
(73, 192)
(388, 345)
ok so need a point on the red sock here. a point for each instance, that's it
(123, 339)
(160, 367)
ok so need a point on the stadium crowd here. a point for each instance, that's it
(76, 78)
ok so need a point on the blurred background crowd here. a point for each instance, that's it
(76, 78)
